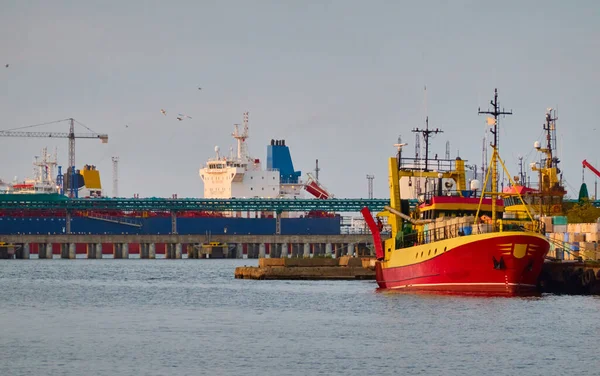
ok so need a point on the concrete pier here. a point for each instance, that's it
(143, 250)
(306, 250)
(98, 251)
(350, 249)
(23, 252)
(170, 251)
(152, 251)
(261, 250)
(239, 250)
(117, 251)
(178, 251)
(67, 251)
(49, 251)
(284, 250)
(125, 250)
(328, 249)
(91, 250)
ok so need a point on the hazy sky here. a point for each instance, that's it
(338, 80)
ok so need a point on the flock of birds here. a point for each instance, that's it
(179, 116)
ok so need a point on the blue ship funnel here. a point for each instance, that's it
(278, 157)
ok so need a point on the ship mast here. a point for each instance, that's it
(242, 153)
(495, 112)
(426, 134)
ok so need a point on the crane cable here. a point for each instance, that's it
(37, 125)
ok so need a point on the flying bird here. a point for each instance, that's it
(7, 65)
(163, 112)
(180, 119)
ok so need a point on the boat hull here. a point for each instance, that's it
(498, 263)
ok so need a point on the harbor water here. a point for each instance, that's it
(191, 317)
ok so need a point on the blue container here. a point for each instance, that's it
(559, 220)
(468, 230)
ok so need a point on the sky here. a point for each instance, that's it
(340, 81)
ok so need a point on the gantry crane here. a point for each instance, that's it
(71, 135)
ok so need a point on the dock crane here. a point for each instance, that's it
(71, 135)
(587, 164)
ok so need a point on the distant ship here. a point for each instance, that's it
(241, 176)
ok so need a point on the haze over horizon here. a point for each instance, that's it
(338, 80)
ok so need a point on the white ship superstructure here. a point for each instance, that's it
(239, 175)
(43, 180)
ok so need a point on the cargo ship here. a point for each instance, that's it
(455, 240)
(235, 176)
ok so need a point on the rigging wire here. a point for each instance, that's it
(85, 126)
(36, 125)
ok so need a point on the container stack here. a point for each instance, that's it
(571, 241)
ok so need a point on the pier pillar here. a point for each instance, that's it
(64, 250)
(306, 250)
(178, 251)
(261, 250)
(91, 250)
(117, 250)
(239, 250)
(23, 252)
(328, 249)
(41, 250)
(152, 251)
(284, 250)
(49, 251)
(350, 249)
(99, 250)
(125, 251)
(168, 251)
(143, 251)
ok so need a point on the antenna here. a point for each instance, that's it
(115, 161)
(426, 134)
(370, 184)
(447, 149)
(521, 173)
(317, 169)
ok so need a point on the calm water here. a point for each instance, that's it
(191, 317)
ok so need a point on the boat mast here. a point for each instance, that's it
(426, 133)
(493, 163)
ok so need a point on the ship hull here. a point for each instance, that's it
(498, 263)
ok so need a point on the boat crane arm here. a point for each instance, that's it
(406, 217)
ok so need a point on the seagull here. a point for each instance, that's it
(7, 65)
(163, 112)
(180, 119)
(126, 125)
(199, 88)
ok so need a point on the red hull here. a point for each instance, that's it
(499, 265)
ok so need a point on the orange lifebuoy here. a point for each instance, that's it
(556, 208)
